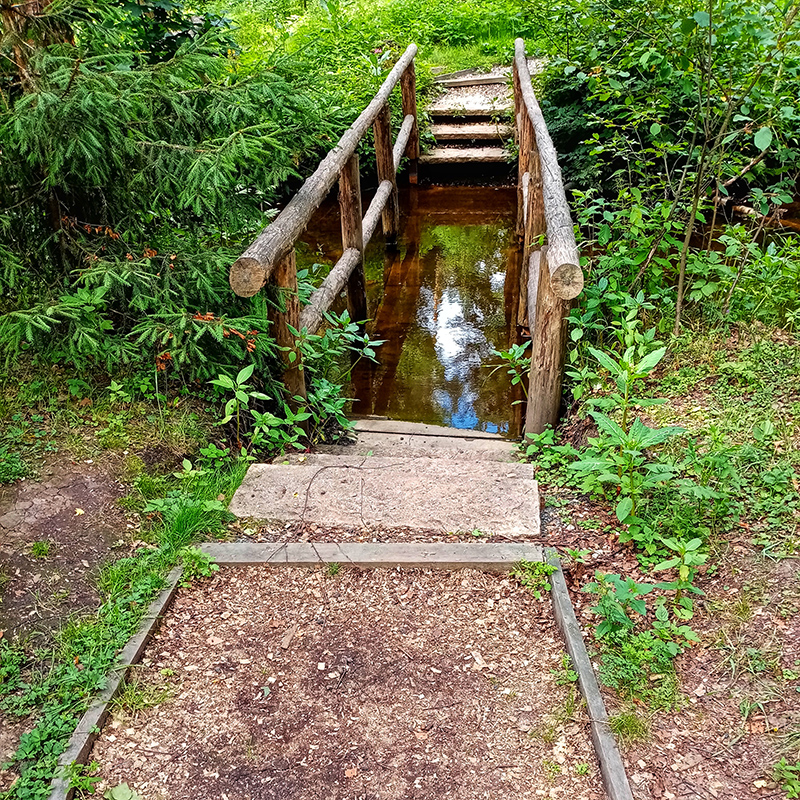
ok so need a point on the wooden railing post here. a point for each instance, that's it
(533, 218)
(385, 158)
(284, 276)
(548, 321)
(352, 236)
(408, 87)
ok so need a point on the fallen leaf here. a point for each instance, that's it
(351, 773)
(79, 512)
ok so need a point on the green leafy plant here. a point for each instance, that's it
(617, 597)
(195, 565)
(516, 364)
(619, 457)
(687, 559)
(82, 777)
(242, 395)
(565, 675)
(788, 777)
(12, 466)
(534, 576)
(122, 792)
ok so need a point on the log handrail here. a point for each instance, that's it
(563, 258)
(271, 255)
(251, 270)
(550, 274)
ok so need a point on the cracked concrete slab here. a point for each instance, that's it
(418, 493)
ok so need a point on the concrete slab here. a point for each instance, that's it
(416, 493)
(446, 447)
(437, 555)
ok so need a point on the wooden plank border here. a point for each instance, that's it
(82, 739)
(369, 555)
(612, 769)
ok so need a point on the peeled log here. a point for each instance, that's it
(279, 237)
(247, 277)
(566, 276)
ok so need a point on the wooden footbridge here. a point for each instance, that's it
(550, 273)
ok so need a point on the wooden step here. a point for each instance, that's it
(466, 155)
(473, 80)
(460, 104)
(471, 131)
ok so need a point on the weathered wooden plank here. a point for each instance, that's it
(466, 155)
(469, 106)
(471, 131)
(473, 80)
(436, 555)
(251, 270)
(566, 276)
(80, 743)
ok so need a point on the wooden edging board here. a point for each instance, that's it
(442, 555)
(80, 743)
(612, 769)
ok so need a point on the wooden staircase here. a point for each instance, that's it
(469, 120)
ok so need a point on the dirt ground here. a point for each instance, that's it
(741, 707)
(72, 509)
(364, 684)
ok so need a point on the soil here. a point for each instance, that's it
(72, 508)
(292, 683)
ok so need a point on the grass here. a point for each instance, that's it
(40, 549)
(630, 727)
(137, 696)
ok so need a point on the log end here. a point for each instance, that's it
(247, 276)
(566, 281)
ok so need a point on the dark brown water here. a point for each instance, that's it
(443, 301)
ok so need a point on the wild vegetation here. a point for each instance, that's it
(145, 144)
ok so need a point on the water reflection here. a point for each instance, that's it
(441, 302)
